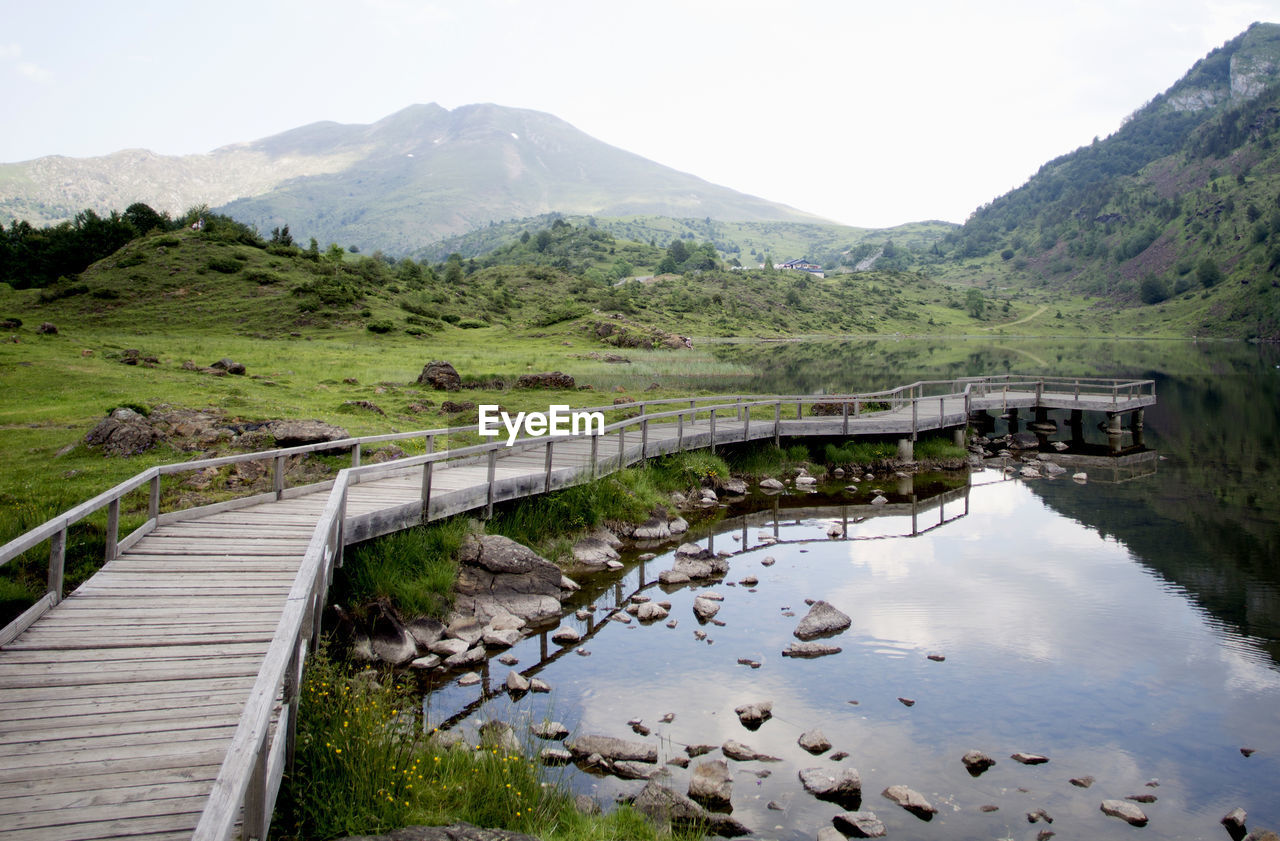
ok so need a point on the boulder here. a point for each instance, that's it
(391, 640)
(814, 741)
(549, 379)
(429, 661)
(1029, 758)
(976, 762)
(555, 756)
(755, 714)
(448, 647)
(822, 620)
(1234, 820)
(809, 650)
(613, 749)
(47, 328)
(1125, 811)
(911, 800)
(710, 784)
(842, 786)
(1081, 782)
(566, 636)
(859, 824)
(516, 682)
(452, 407)
(298, 433)
(651, 612)
(229, 366)
(671, 578)
(470, 657)
(123, 433)
(734, 487)
(771, 484)
(657, 527)
(744, 753)
(705, 608)
(465, 628)
(441, 376)
(426, 631)
(538, 685)
(665, 805)
(469, 678)
(592, 551)
(504, 638)
(1023, 441)
(550, 730)
(496, 575)
(702, 566)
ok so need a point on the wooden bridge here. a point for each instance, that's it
(159, 698)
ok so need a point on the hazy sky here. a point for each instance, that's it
(866, 113)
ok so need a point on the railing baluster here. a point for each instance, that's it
(277, 476)
(355, 454)
(113, 530)
(595, 452)
(777, 424)
(680, 432)
(713, 430)
(493, 469)
(57, 563)
(844, 414)
(546, 484)
(426, 492)
(153, 500)
(622, 447)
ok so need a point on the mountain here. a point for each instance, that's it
(412, 178)
(1178, 211)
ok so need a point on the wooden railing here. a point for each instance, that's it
(250, 775)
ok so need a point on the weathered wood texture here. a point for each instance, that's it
(139, 704)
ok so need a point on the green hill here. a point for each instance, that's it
(1176, 215)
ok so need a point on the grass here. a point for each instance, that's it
(879, 453)
(758, 461)
(415, 568)
(365, 765)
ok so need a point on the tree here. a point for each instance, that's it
(542, 240)
(1208, 273)
(144, 219)
(974, 304)
(281, 236)
(453, 273)
(1154, 290)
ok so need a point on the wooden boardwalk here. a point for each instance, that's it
(158, 699)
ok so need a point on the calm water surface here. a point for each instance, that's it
(1129, 631)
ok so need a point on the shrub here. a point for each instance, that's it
(381, 326)
(450, 318)
(472, 323)
(225, 265)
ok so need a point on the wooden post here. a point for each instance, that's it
(292, 679)
(426, 491)
(777, 424)
(277, 477)
(622, 447)
(595, 452)
(713, 430)
(355, 454)
(57, 563)
(799, 413)
(942, 411)
(914, 410)
(739, 408)
(257, 817)
(844, 413)
(493, 468)
(746, 425)
(644, 439)
(113, 530)
(153, 503)
(680, 432)
(857, 407)
(546, 484)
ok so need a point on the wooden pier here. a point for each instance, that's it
(159, 699)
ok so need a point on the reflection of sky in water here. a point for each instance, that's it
(1056, 642)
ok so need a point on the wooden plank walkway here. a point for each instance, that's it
(139, 705)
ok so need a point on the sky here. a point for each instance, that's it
(868, 114)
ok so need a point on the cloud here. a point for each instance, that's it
(11, 54)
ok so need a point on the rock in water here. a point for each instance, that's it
(843, 786)
(1081, 782)
(1126, 811)
(705, 608)
(911, 800)
(814, 742)
(613, 749)
(822, 620)
(1234, 820)
(859, 824)
(711, 784)
(975, 762)
(755, 714)
(744, 753)
(552, 730)
(392, 642)
(517, 682)
(1029, 758)
(809, 650)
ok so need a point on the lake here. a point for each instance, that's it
(1128, 630)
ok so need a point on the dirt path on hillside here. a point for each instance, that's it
(1023, 320)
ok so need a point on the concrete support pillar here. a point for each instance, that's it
(1114, 423)
(1137, 419)
(959, 436)
(1042, 415)
(906, 450)
(1012, 415)
(1076, 423)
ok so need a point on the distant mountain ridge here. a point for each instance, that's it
(414, 177)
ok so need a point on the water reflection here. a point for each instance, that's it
(1056, 641)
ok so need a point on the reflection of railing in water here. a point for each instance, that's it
(549, 652)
